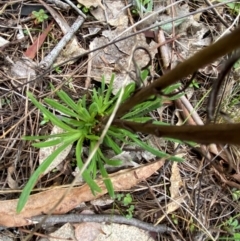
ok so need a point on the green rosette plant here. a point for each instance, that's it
(82, 122)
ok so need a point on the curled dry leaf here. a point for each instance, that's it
(11, 182)
(116, 16)
(44, 201)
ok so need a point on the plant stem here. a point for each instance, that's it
(205, 134)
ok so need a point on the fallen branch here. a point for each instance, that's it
(77, 218)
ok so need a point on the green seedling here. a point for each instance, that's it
(142, 6)
(174, 219)
(40, 16)
(83, 8)
(232, 226)
(194, 84)
(126, 200)
(45, 120)
(235, 194)
(58, 70)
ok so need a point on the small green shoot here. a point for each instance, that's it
(40, 16)
(126, 200)
(174, 219)
(233, 224)
(194, 84)
(237, 66)
(235, 194)
(44, 120)
(58, 70)
(235, 6)
(142, 6)
(83, 8)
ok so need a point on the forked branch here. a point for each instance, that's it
(204, 57)
(206, 134)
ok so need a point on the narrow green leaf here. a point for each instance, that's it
(110, 143)
(73, 122)
(63, 109)
(92, 137)
(32, 138)
(33, 179)
(171, 88)
(93, 164)
(82, 102)
(86, 176)
(143, 108)
(116, 133)
(93, 109)
(101, 91)
(114, 163)
(85, 116)
(177, 96)
(107, 181)
(149, 148)
(109, 91)
(144, 74)
(107, 161)
(49, 115)
(128, 90)
(48, 143)
(161, 123)
(95, 97)
(67, 100)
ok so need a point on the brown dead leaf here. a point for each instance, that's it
(33, 49)
(44, 201)
(11, 182)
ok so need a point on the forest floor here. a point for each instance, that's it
(195, 199)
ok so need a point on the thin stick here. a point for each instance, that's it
(76, 218)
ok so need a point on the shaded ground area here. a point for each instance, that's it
(196, 199)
